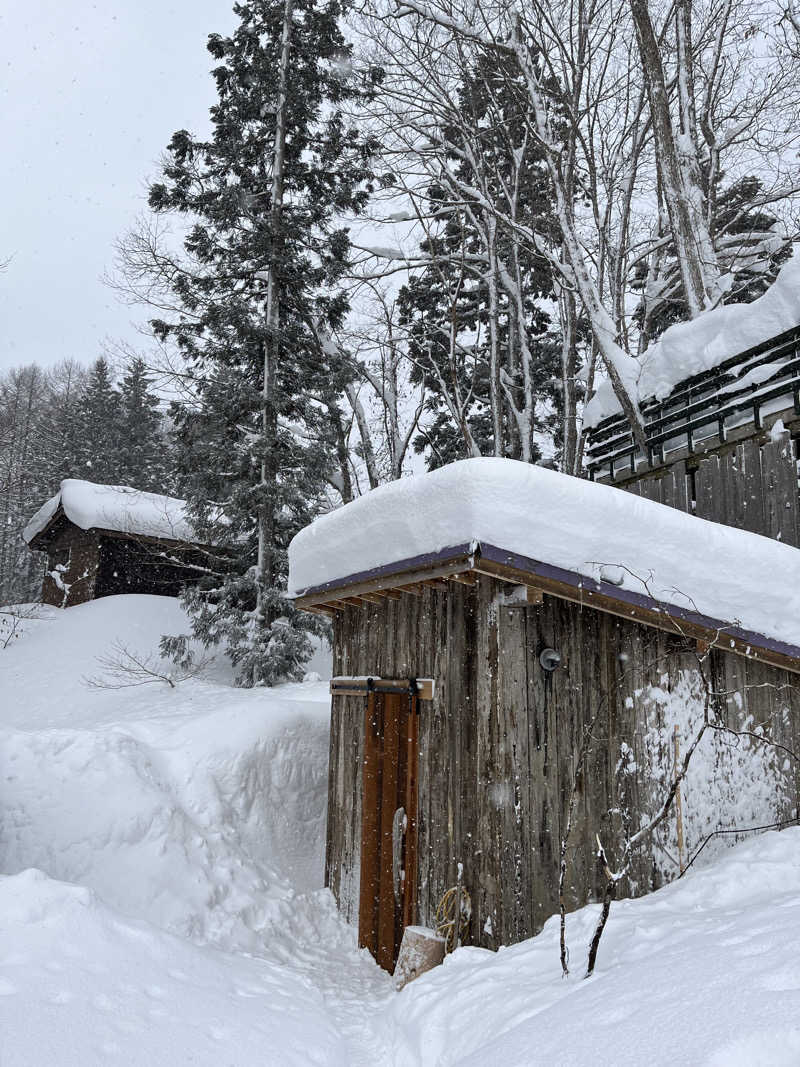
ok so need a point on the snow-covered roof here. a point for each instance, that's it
(689, 348)
(114, 507)
(620, 544)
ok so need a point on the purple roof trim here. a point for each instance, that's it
(571, 578)
(629, 596)
(425, 560)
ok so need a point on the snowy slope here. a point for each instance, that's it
(79, 984)
(176, 915)
(703, 973)
(174, 831)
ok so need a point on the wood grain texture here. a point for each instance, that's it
(751, 484)
(497, 746)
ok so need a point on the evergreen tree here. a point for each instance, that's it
(67, 382)
(97, 427)
(749, 246)
(447, 306)
(143, 454)
(258, 289)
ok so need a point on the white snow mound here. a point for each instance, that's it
(80, 985)
(114, 507)
(689, 348)
(702, 972)
(585, 527)
(199, 807)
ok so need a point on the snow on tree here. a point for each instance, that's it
(97, 425)
(480, 332)
(258, 296)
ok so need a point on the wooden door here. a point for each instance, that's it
(387, 902)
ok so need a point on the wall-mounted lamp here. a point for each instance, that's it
(549, 659)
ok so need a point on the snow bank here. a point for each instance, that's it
(80, 985)
(689, 348)
(595, 530)
(114, 507)
(200, 808)
(702, 972)
(192, 820)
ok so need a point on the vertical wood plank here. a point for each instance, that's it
(779, 480)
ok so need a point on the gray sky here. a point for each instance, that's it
(89, 96)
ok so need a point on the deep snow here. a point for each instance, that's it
(176, 915)
(595, 530)
(114, 507)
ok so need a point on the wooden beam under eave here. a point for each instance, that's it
(422, 576)
(467, 578)
(657, 618)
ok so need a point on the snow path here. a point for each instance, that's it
(211, 827)
(176, 916)
(356, 992)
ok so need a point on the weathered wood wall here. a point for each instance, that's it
(751, 484)
(128, 564)
(79, 552)
(499, 742)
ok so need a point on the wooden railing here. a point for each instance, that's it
(703, 406)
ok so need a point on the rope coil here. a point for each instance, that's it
(456, 901)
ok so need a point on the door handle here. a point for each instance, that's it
(399, 824)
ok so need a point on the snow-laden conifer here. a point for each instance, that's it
(263, 198)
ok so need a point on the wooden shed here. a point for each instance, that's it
(101, 540)
(484, 615)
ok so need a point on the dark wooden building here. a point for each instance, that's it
(104, 540)
(466, 677)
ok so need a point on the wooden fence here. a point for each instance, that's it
(751, 485)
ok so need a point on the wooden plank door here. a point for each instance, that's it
(387, 902)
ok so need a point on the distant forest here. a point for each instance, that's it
(71, 421)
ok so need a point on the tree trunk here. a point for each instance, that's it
(269, 471)
(678, 166)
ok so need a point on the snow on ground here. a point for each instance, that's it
(197, 810)
(160, 900)
(703, 973)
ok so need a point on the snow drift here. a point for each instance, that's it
(702, 972)
(200, 808)
(595, 530)
(82, 985)
(689, 348)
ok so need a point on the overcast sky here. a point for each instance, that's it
(90, 94)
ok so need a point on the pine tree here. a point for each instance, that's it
(143, 453)
(750, 248)
(66, 382)
(448, 306)
(258, 289)
(97, 427)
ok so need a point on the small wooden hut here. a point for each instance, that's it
(106, 539)
(485, 616)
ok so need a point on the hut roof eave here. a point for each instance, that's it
(461, 563)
